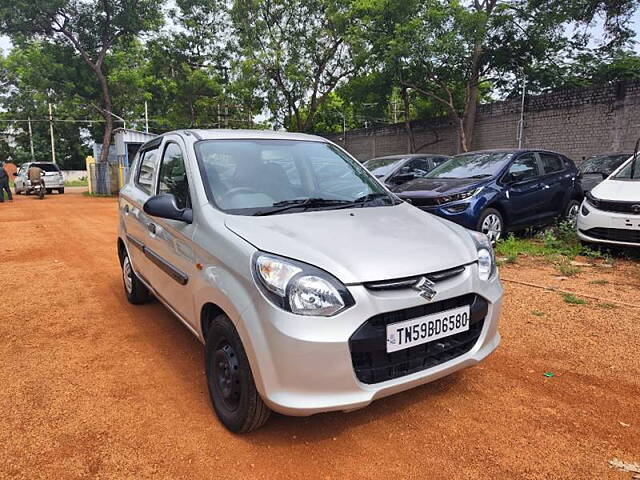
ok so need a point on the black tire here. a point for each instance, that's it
(493, 213)
(230, 381)
(49, 191)
(136, 292)
(571, 211)
(60, 191)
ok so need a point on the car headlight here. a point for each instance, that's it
(460, 196)
(595, 202)
(486, 256)
(298, 287)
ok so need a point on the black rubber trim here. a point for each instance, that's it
(166, 267)
(135, 242)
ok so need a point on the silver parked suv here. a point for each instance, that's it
(312, 287)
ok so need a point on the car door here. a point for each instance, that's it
(524, 196)
(556, 183)
(131, 202)
(19, 180)
(168, 243)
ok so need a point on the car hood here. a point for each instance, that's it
(361, 244)
(435, 187)
(618, 190)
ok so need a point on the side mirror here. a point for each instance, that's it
(402, 177)
(166, 206)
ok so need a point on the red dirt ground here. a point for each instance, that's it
(91, 386)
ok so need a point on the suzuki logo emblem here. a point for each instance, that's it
(425, 287)
(635, 208)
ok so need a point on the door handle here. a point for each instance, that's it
(152, 228)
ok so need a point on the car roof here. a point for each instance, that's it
(513, 150)
(611, 154)
(410, 155)
(240, 134)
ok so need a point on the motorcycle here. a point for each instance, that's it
(39, 189)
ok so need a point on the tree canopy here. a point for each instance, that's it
(303, 65)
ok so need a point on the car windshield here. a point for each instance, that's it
(47, 167)
(602, 164)
(626, 172)
(262, 177)
(382, 166)
(471, 165)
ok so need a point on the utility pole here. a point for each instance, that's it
(33, 157)
(521, 122)
(146, 117)
(53, 144)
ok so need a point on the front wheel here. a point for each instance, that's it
(60, 191)
(233, 392)
(491, 224)
(571, 212)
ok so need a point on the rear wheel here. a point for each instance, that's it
(49, 191)
(60, 191)
(230, 381)
(135, 290)
(491, 224)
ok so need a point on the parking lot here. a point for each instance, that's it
(93, 386)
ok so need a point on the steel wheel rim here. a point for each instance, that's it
(492, 227)
(127, 275)
(226, 375)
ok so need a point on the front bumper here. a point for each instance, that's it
(303, 365)
(613, 228)
(467, 217)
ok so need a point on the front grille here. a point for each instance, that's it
(372, 363)
(426, 201)
(407, 282)
(614, 234)
(619, 207)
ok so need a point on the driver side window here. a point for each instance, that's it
(523, 169)
(173, 176)
(418, 167)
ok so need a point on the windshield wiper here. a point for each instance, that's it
(304, 203)
(481, 175)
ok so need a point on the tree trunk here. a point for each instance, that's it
(471, 105)
(411, 142)
(108, 119)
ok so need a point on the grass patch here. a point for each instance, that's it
(76, 183)
(559, 244)
(572, 299)
(599, 282)
(608, 305)
(538, 313)
(567, 269)
(87, 194)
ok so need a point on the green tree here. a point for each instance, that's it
(92, 27)
(301, 48)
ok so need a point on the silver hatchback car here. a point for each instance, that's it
(312, 287)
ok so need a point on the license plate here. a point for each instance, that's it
(426, 329)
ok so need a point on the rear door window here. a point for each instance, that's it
(551, 163)
(48, 167)
(147, 167)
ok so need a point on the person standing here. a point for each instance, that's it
(4, 183)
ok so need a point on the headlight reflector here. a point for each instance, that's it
(298, 287)
(486, 256)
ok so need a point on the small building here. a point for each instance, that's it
(128, 142)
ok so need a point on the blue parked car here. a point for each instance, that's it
(493, 191)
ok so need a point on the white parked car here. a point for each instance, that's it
(53, 179)
(610, 213)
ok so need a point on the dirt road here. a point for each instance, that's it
(91, 386)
